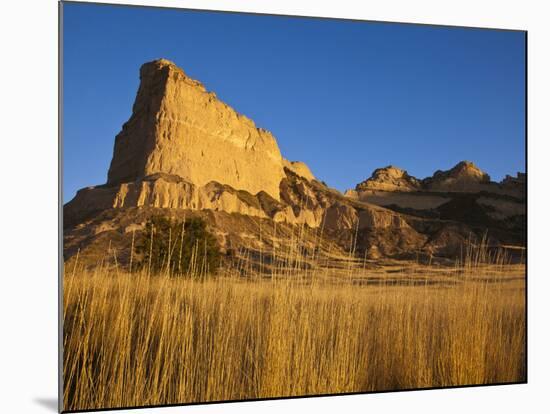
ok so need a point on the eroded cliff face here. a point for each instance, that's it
(179, 128)
(183, 152)
(302, 201)
(304, 204)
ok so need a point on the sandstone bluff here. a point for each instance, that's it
(184, 152)
(179, 128)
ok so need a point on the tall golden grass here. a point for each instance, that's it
(131, 339)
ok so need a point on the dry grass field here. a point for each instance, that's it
(132, 339)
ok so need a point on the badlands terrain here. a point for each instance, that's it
(398, 283)
(185, 153)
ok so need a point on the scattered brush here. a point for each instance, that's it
(290, 322)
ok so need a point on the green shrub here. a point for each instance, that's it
(184, 248)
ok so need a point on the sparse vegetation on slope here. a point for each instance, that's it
(180, 248)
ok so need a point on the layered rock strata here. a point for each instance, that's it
(179, 128)
(183, 151)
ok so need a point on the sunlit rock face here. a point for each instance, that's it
(389, 179)
(463, 177)
(184, 152)
(179, 128)
(299, 168)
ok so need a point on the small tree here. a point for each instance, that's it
(178, 247)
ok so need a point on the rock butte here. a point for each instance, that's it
(179, 128)
(183, 152)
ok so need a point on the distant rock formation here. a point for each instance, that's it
(179, 128)
(517, 184)
(464, 194)
(463, 177)
(389, 179)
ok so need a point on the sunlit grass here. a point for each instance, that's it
(133, 339)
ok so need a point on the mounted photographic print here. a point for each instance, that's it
(263, 206)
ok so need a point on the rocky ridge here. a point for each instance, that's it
(464, 177)
(464, 194)
(184, 152)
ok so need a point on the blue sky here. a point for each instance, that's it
(345, 97)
